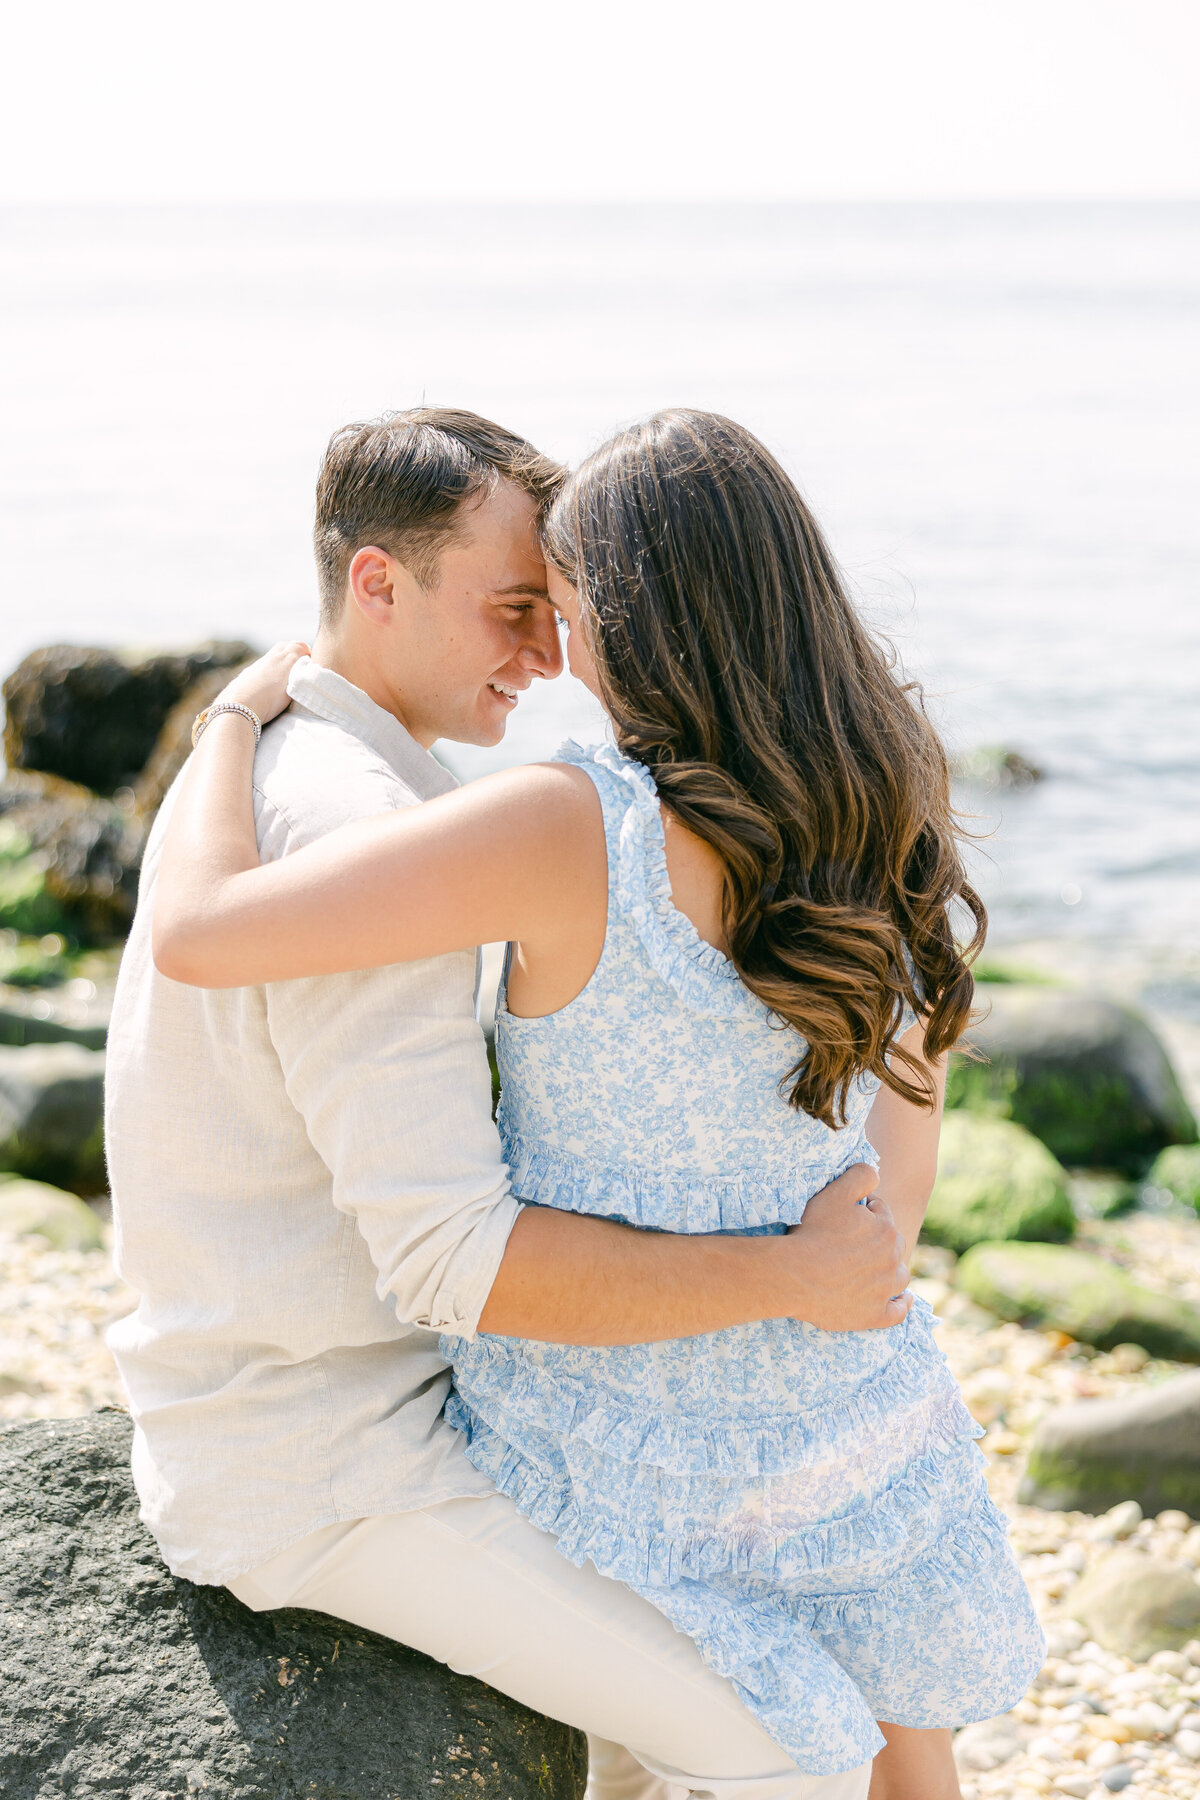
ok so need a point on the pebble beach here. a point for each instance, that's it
(1093, 1723)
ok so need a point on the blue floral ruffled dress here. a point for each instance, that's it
(808, 1506)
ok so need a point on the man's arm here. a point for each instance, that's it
(575, 1280)
(388, 1069)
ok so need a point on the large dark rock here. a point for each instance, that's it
(1059, 1288)
(52, 1115)
(119, 1680)
(1144, 1446)
(1087, 1076)
(94, 716)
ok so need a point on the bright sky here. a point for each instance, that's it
(387, 100)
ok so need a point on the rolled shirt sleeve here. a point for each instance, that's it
(389, 1071)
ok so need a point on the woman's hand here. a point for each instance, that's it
(262, 685)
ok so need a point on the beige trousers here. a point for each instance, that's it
(473, 1584)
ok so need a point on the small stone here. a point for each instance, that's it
(1124, 1518)
(1173, 1520)
(1188, 1744)
(1106, 1755)
(1104, 1726)
(1119, 1776)
(1076, 1783)
(1129, 1359)
(1171, 1662)
(988, 1744)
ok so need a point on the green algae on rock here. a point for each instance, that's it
(1085, 1075)
(1058, 1287)
(995, 1181)
(64, 1220)
(52, 1115)
(1094, 1454)
(1177, 1170)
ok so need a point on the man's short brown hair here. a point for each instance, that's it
(400, 481)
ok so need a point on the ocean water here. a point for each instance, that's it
(995, 411)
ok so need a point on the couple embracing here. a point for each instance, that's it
(620, 1403)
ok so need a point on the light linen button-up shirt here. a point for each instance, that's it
(307, 1188)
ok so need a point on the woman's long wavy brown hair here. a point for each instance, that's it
(737, 671)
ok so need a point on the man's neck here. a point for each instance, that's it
(352, 663)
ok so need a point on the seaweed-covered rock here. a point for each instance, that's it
(1137, 1605)
(73, 859)
(995, 1181)
(1057, 1287)
(1177, 1171)
(94, 716)
(52, 1115)
(118, 1679)
(1086, 1076)
(64, 1220)
(1145, 1446)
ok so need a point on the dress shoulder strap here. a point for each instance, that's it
(639, 887)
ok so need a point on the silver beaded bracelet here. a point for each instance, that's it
(205, 718)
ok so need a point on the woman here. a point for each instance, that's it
(732, 960)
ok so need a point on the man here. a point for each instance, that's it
(308, 1183)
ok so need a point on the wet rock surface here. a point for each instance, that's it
(1088, 1076)
(995, 1181)
(1144, 1446)
(118, 1679)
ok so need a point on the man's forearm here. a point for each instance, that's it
(569, 1279)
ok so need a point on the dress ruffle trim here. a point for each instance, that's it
(510, 1393)
(703, 977)
(657, 1200)
(868, 1546)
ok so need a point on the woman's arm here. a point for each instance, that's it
(906, 1138)
(518, 855)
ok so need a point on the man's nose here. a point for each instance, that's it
(541, 650)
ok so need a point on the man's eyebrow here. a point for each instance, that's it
(525, 587)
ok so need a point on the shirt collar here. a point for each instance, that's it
(333, 698)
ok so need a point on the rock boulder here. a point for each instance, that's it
(1056, 1287)
(995, 1181)
(69, 859)
(64, 1220)
(1177, 1170)
(117, 1679)
(1137, 1605)
(94, 716)
(1086, 1076)
(52, 1115)
(1144, 1446)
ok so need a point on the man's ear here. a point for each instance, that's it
(373, 578)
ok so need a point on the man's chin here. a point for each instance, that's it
(483, 734)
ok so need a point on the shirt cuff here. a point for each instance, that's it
(469, 1273)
